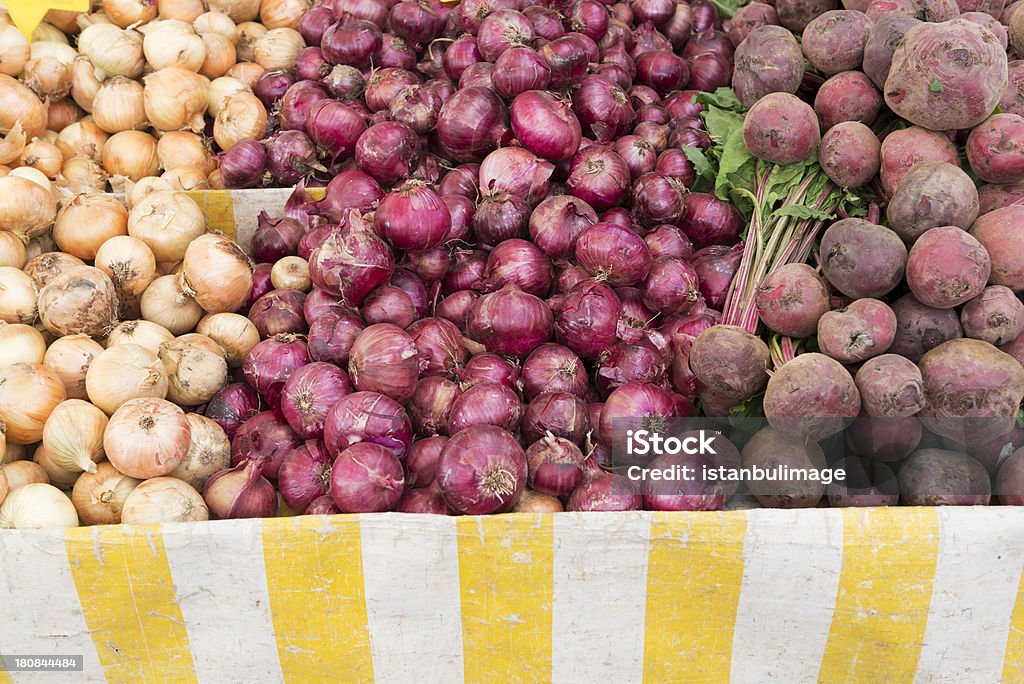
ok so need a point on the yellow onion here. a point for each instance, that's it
(220, 90)
(243, 117)
(99, 497)
(82, 139)
(146, 334)
(37, 177)
(84, 83)
(62, 114)
(182, 10)
(185, 178)
(235, 334)
(124, 13)
(166, 304)
(40, 245)
(17, 296)
(23, 471)
(209, 452)
(14, 51)
(26, 208)
(128, 262)
(119, 106)
(73, 436)
(12, 145)
(87, 222)
(112, 51)
(175, 99)
(122, 373)
(238, 10)
(44, 157)
(65, 20)
(196, 369)
(58, 477)
(37, 506)
(131, 154)
(277, 14)
(69, 358)
(48, 77)
(147, 438)
(220, 55)
(216, 273)
(246, 72)
(217, 23)
(216, 180)
(182, 148)
(82, 175)
(170, 43)
(28, 393)
(167, 222)
(80, 301)
(61, 51)
(163, 500)
(278, 48)
(19, 104)
(291, 273)
(49, 136)
(12, 250)
(43, 269)
(248, 33)
(46, 32)
(4, 488)
(20, 343)
(136, 191)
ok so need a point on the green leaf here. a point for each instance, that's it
(701, 164)
(936, 86)
(803, 212)
(751, 408)
(727, 8)
(723, 98)
(721, 123)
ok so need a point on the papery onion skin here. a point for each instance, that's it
(413, 217)
(279, 312)
(332, 335)
(209, 451)
(368, 417)
(367, 478)
(555, 466)
(266, 439)
(431, 404)
(147, 438)
(305, 475)
(510, 321)
(384, 359)
(309, 394)
(482, 470)
(557, 222)
(271, 363)
(613, 254)
(559, 413)
(178, 502)
(80, 301)
(486, 403)
(553, 368)
(351, 262)
(545, 125)
(241, 492)
(587, 319)
(232, 406)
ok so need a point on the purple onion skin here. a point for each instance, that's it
(232, 406)
(332, 335)
(367, 478)
(309, 394)
(482, 470)
(244, 165)
(424, 500)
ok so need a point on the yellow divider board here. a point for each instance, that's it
(315, 583)
(127, 596)
(26, 14)
(506, 584)
(1013, 665)
(694, 573)
(885, 590)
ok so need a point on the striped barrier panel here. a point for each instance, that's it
(825, 595)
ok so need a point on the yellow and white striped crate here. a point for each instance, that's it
(873, 595)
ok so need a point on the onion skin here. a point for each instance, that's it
(351, 263)
(384, 359)
(368, 417)
(557, 413)
(305, 475)
(232, 406)
(587, 319)
(510, 322)
(309, 394)
(555, 466)
(421, 461)
(264, 438)
(482, 470)
(553, 368)
(271, 362)
(241, 492)
(486, 403)
(367, 478)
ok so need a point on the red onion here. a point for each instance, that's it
(309, 394)
(271, 86)
(614, 73)
(510, 321)
(472, 12)
(275, 239)
(351, 42)
(647, 38)
(501, 30)
(314, 23)
(351, 262)
(310, 65)
(500, 216)
(305, 475)
(638, 154)
(479, 75)
(627, 363)
(715, 267)
(600, 177)
(671, 287)
(489, 367)
(486, 403)
(545, 125)
(334, 127)
(421, 461)
(291, 156)
(332, 335)
(636, 406)
(694, 493)
(349, 190)
(481, 471)
(683, 378)
(557, 223)
(367, 478)
(689, 325)
(519, 70)
(656, 135)
(705, 16)
(279, 312)
(652, 113)
(388, 151)
(620, 216)
(318, 303)
(313, 239)
(673, 163)
(679, 26)
(384, 359)
(554, 368)
(396, 52)
(412, 285)
(467, 272)
(662, 70)
(520, 263)
(439, 345)
(415, 21)
(322, 505)
(371, 10)
(385, 84)
(261, 283)
(244, 165)
(603, 109)
(641, 95)
(413, 217)
(424, 500)
(567, 57)
(462, 181)
(683, 104)
(460, 55)
(456, 307)
(471, 123)
(587, 319)
(266, 439)
(589, 18)
(655, 11)
(240, 492)
(416, 106)
(606, 492)
(561, 414)
(233, 405)
(668, 241)
(516, 171)
(271, 362)
(595, 415)
(368, 417)
(710, 58)
(431, 404)
(345, 82)
(635, 318)
(593, 51)
(658, 199)
(430, 265)
(297, 102)
(710, 221)
(613, 254)
(547, 24)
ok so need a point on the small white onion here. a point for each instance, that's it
(243, 117)
(44, 157)
(58, 477)
(124, 13)
(131, 154)
(291, 273)
(216, 22)
(82, 175)
(22, 471)
(82, 139)
(248, 33)
(36, 506)
(246, 72)
(119, 105)
(278, 48)
(176, 98)
(283, 13)
(220, 55)
(220, 90)
(183, 148)
(26, 208)
(113, 51)
(238, 10)
(14, 51)
(182, 10)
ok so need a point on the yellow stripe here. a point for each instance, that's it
(885, 590)
(127, 596)
(506, 583)
(1013, 663)
(315, 582)
(219, 208)
(694, 573)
